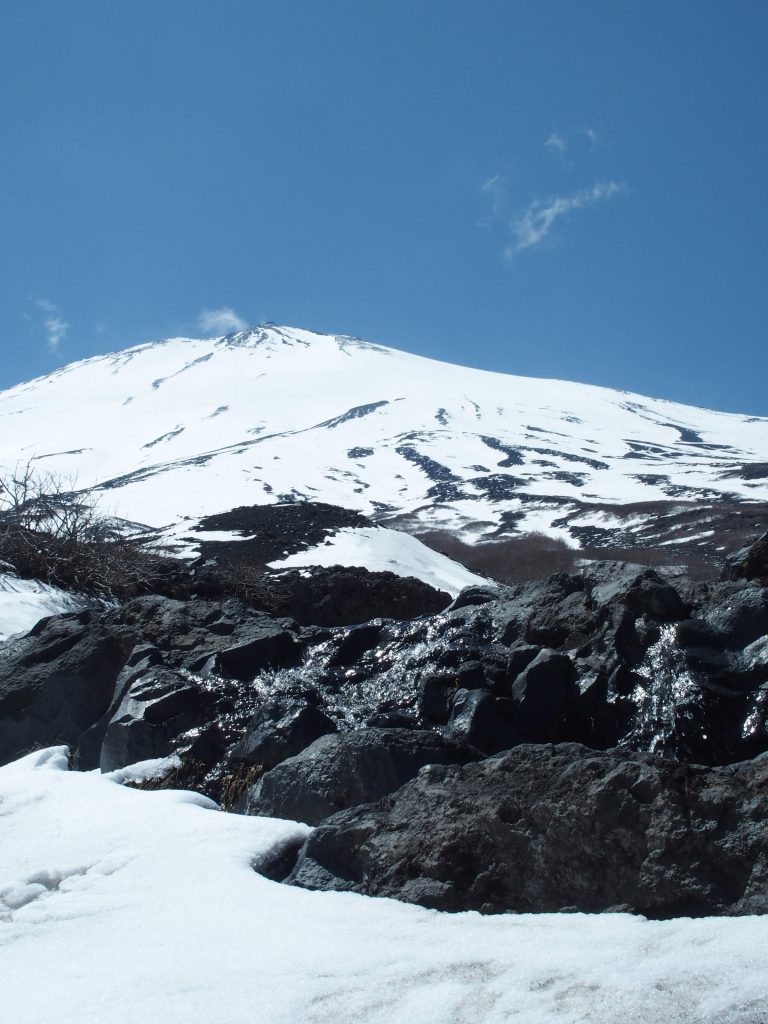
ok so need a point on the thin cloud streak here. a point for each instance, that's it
(556, 143)
(220, 321)
(533, 226)
(496, 190)
(54, 323)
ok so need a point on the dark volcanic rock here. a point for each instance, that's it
(483, 721)
(741, 616)
(281, 728)
(473, 596)
(268, 646)
(614, 655)
(750, 563)
(57, 681)
(141, 659)
(543, 693)
(345, 769)
(153, 711)
(341, 596)
(552, 828)
(326, 596)
(272, 531)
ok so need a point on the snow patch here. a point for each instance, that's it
(24, 602)
(141, 906)
(381, 550)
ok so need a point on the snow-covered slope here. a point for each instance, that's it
(144, 906)
(188, 427)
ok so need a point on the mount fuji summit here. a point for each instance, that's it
(172, 431)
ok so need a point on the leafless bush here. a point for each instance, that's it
(52, 532)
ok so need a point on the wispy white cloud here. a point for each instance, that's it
(495, 189)
(533, 226)
(54, 323)
(220, 321)
(590, 134)
(556, 144)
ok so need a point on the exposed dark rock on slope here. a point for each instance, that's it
(272, 531)
(615, 654)
(57, 681)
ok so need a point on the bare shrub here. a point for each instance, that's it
(51, 532)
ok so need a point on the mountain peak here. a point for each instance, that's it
(270, 335)
(190, 427)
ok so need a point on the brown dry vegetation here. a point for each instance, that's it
(513, 560)
(50, 532)
(535, 556)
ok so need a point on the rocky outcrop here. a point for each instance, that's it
(346, 769)
(750, 563)
(280, 729)
(58, 680)
(613, 655)
(556, 828)
(340, 596)
(580, 742)
(334, 596)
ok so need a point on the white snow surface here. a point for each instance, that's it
(381, 550)
(24, 602)
(132, 906)
(191, 427)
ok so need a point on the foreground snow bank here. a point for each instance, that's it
(25, 602)
(380, 550)
(143, 906)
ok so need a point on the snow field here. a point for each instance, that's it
(136, 906)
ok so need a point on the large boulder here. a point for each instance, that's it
(57, 681)
(750, 563)
(543, 693)
(345, 769)
(340, 595)
(281, 728)
(268, 645)
(557, 828)
(741, 614)
(153, 712)
(483, 721)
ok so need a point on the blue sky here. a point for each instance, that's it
(546, 187)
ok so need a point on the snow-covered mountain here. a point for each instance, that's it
(177, 429)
